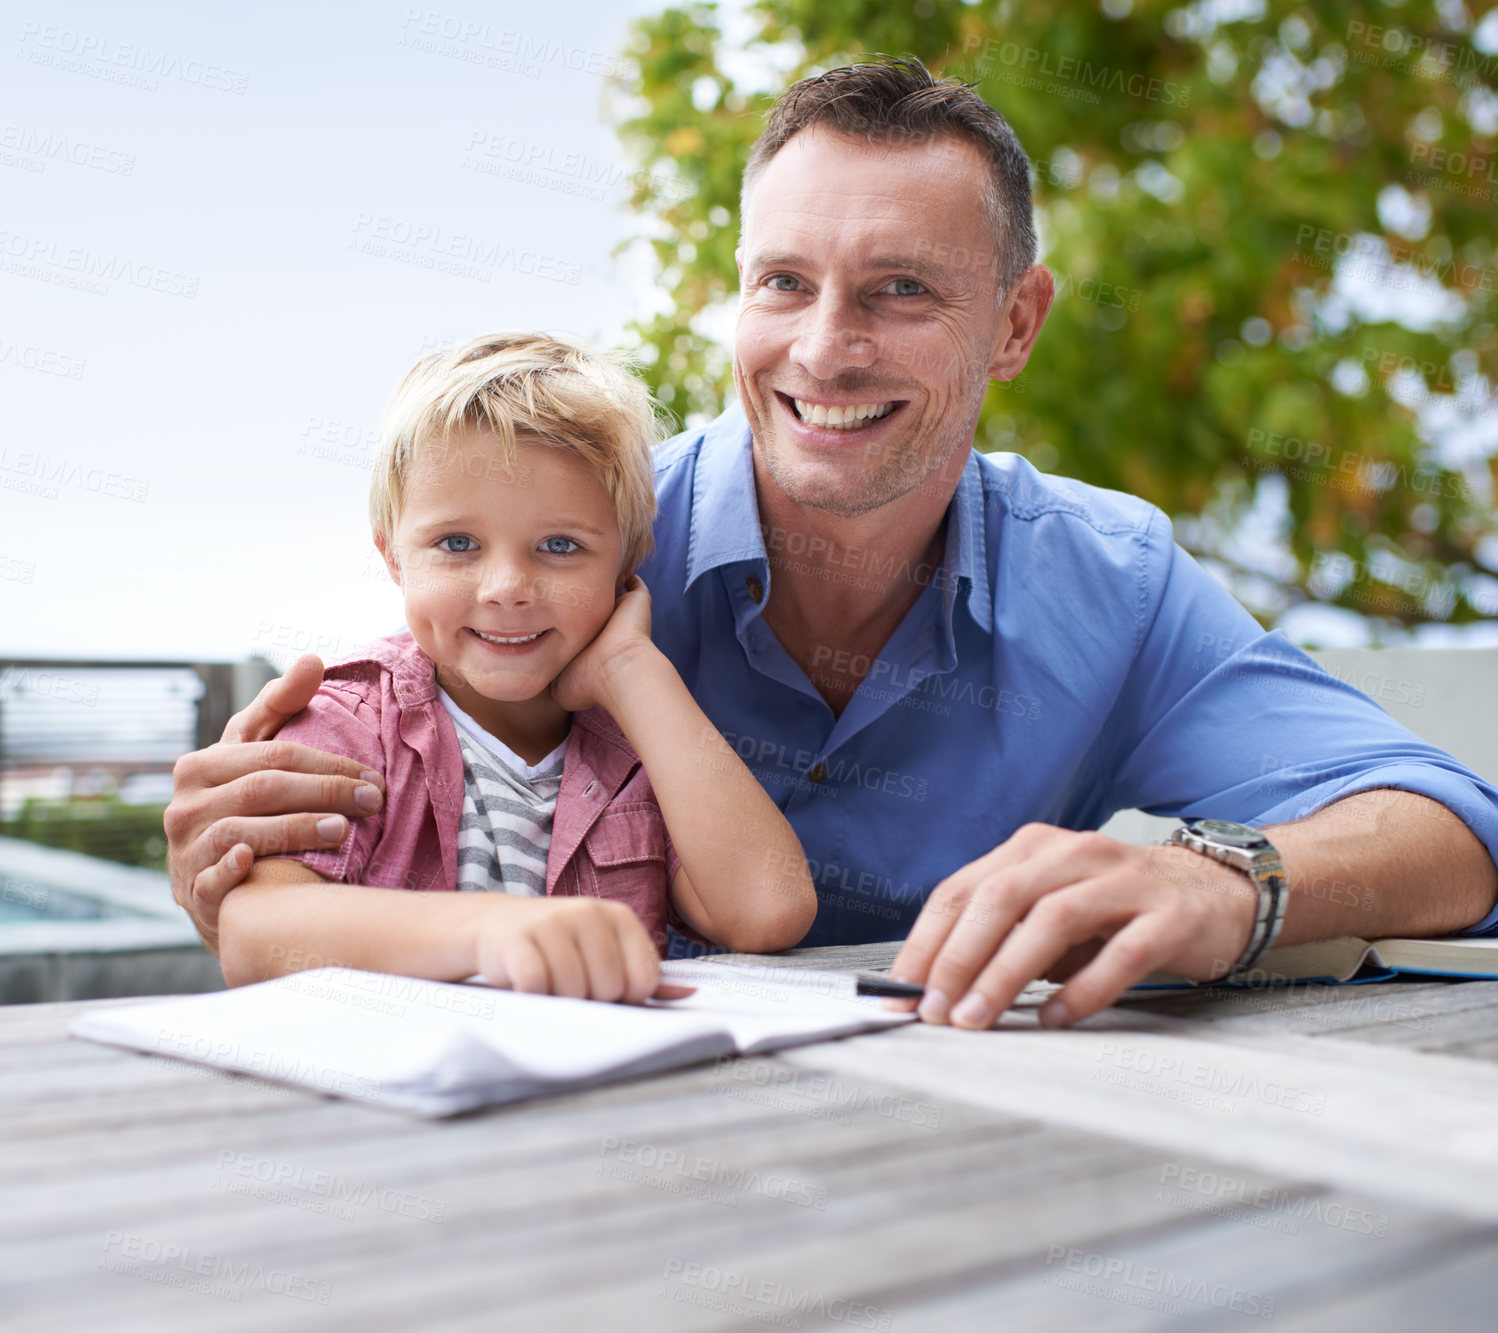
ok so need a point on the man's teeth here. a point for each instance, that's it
(841, 418)
(499, 638)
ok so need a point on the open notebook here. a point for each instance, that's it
(433, 1048)
(1350, 959)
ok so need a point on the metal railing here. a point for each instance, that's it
(74, 727)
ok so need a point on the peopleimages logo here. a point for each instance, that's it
(1181, 1077)
(41, 475)
(993, 57)
(763, 1299)
(1262, 1205)
(29, 256)
(326, 1192)
(42, 360)
(1147, 1285)
(763, 756)
(128, 63)
(167, 1263)
(506, 50)
(563, 170)
(459, 253)
(676, 1170)
(34, 149)
(29, 680)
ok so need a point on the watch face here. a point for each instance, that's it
(1228, 833)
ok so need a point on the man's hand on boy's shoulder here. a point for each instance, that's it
(592, 677)
(245, 797)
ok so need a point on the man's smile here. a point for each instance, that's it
(841, 417)
(838, 416)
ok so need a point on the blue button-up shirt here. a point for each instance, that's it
(1065, 661)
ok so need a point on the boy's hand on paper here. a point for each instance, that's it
(249, 795)
(585, 948)
(1080, 908)
(592, 676)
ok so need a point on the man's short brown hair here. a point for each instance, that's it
(895, 102)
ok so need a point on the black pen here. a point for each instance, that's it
(893, 990)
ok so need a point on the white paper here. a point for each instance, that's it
(435, 1048)
(767, 1008)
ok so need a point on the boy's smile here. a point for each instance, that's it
(507, 575)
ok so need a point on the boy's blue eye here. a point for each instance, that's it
(459, 544)
(559, 545)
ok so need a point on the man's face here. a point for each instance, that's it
(868, 318)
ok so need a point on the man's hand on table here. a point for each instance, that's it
(1080, 908)
(246, 797)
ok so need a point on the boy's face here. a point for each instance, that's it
(507, 575)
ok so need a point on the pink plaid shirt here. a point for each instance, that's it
(608, 839)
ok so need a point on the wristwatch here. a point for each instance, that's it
(1248, 850)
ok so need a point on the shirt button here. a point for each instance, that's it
(755, 587)
(818, 773)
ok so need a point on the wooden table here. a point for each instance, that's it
(1323, 1158)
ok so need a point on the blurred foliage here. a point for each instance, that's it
(1242, 203)
(107, 828)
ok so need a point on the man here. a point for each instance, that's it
(944, 667)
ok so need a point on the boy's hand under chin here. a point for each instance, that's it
(592, 676)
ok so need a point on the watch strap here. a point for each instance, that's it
(1263, 866)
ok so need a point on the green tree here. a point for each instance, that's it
(1272, 231)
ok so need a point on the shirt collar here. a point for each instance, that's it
(725, 511)
(413, 676)
(601, 744)
(966, 555)
(725, 518)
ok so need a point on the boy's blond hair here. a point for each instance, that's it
(551, 387)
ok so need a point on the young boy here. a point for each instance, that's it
(539, 753)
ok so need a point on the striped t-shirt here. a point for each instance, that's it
(508, 807)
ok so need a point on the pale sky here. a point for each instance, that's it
(225, 233)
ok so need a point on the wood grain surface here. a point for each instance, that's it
(906, 1180)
